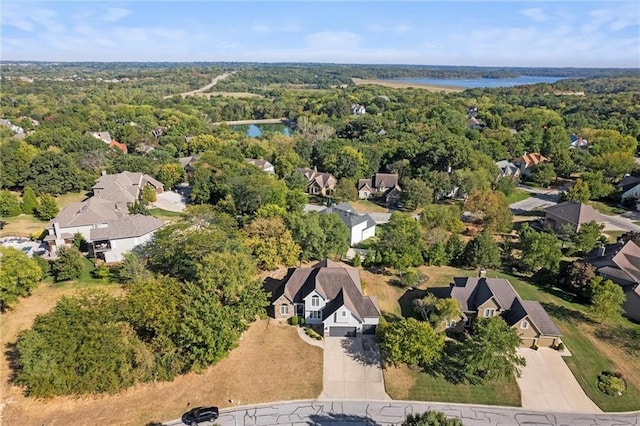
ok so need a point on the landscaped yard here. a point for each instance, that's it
(518, 195)
(608, 209)
(368, 206)
(595, 347)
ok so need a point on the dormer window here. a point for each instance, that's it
(524, 324)
(489, 312)
(315, 301)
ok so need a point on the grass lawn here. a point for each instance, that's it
(22, 226)
(608, 209)
(612, 236)
(595, 347)
(406, 384)
(165, 215)
(518, 195)
(70, 197)
(368, 206)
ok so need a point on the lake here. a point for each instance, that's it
(256, 130)
(469, 83)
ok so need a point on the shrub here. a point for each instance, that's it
(610, 384)
(357, 261)
(48, 209)
(560, 346)
(9, 204)
(301, 320)
(68, 266)
(101, 272)
(294, 320)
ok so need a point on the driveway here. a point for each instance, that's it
(171, 201)
(352, 369)
(547, 384)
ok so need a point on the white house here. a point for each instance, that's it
(120, 236)
(328, 295)
(629, 188)
(360, 226)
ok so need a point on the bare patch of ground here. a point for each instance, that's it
(398, 381)
(399, 85)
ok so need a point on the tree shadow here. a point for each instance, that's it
(406, 302)
(566, 314)
(625, 338)
(450, 367)
(364, 350)
(333, 419)
(13, 361)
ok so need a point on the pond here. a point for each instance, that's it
(256, 130)
(481, 82)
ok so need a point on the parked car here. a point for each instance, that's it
(200, 414)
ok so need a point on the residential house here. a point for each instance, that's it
(122, 235)
(630, 189)
(263, 165)
(188, 163)
(475, 123)
(570, 213)
(490, 297)
(620, 263)
(124, 188)
(381, 184)
(328, 295)
(103, 136)
(507, 169)
(17, 130)
(360, 226)
(528, 162)
(121, 146)
(319, 183)
(357, 109)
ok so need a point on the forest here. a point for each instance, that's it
(243, 221)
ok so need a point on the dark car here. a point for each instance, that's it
(200, 414)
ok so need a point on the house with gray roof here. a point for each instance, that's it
(263, 165)
(122, 235)
(620, 263)
(328, 294)
(380, 184)
(629, 188)
(490, 297)
(124, 188)
(361, 226)
(570, 213)
(319, 183)
(507, 169)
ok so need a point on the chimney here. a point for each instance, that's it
(482, 273)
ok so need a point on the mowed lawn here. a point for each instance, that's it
(595, 347)
(518, 195)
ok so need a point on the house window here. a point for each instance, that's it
(343, 314)
(314, 314)
(489, 312)
(284, 309)
(524, 324)
(450, 323)
(315, 301)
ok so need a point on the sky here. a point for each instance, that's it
(481, 33)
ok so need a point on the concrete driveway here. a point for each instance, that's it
(171, 201)
(547, 384)
(352, 369)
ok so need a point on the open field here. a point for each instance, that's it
(271, 363)
(399, 85)
(24, 225)
(595, 347)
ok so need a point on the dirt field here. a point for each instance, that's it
(399, 85)
(271, 363)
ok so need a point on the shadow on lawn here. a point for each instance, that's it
(565, 314)
(626, 338)
(450, 367)
(406, 302)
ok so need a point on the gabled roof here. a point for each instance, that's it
(262, 164)
(323, 180)
(88, 212)
(575, 212)
(473, 292)
(385, 180)
(628, 182)
(349, 216)
(123, 187)
(329, 278)
(127, 227)
(507, 168)
(535, 313)
(531, 159)
(122, 147)
(104, 136)
(620, 261)
(365, 184)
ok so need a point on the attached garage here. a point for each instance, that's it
(342, 331)
(527, 342)
(547, 342)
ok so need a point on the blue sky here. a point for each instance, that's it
(486, 33)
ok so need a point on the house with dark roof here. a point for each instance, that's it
(328, 294)
(380, 184)
(507, 169)
(570, 213)
(527, 163)
(360, 226)
(263, 165)
(318, 183)
(620, 263)
(489, 297)
(629, 188)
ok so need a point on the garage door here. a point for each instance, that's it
(369, 329)
(527, 342)
(342, 332)
(546, 341)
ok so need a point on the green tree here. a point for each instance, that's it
(16, 156)
(491, 208)
(444, 216)
(607, 298)
(491, 351)
(579, 192)
(431, 418)
(9, 204)
(337, 235)
(578, 277)
(148, 196)
(271, 243)
(416, 193)
(589, 237)
(357, 261)
(170, 174)
(29, 201)
(48, 208)
(544, 174)
(308, 234)
(346, 190)
(132, 268)
(18, 276)
(410, 341)
(539, 250)
(400, 244)
(53, 173)
(437, 310)
(598, 186)
(482, 251)
(68, 265)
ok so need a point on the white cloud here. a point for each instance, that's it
(263, 28)
(398, 28)
(333, 40)
(535, 14)
(115, 14)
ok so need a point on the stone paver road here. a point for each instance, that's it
(352, 369)
(547, 384)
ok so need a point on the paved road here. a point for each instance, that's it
(370, 413)
(214, 81)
